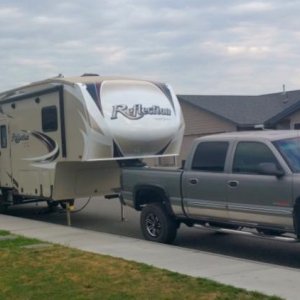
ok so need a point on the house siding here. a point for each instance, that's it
(294, 119)
(198, 123)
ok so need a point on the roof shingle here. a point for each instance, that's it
(247, 110)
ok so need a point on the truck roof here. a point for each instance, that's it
(270, 135)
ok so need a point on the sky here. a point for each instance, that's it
(205, 47)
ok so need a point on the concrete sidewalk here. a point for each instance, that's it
(265, 278)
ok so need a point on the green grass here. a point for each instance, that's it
(63, 273)
(3, 232)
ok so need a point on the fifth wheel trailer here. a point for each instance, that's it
(65, 138)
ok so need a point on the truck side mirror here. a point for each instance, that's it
(270, 168)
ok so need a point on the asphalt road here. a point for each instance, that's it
(104, 216)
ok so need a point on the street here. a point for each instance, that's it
(105, 216)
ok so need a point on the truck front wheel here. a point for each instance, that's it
(157, 225)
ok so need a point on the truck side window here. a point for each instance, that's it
(49, 118)
(210, 157)
(249, 155)
(3, 133)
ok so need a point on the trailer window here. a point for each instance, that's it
(49, 118)
(3, 133)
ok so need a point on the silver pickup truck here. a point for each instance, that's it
(232, 180)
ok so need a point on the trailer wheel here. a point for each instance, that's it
(52, 204)
(297, 219)
(272, 232)
(157, 225)
(3, 202)
(3, 206)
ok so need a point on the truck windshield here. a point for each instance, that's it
(290, 150)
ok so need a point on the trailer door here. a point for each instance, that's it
(37, 142)
(6, 177)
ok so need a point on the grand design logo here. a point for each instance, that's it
(18, 137)
(138, 111)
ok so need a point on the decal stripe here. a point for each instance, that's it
(52, 147)
(163, 149)
(62, 122)
(117, 151)
(14, 181)
(166, 92)
(94, 91)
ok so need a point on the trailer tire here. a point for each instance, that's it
(157, 225)
(3, 207)
(52, 204)
(3, 202)
(296, 217)
(272, 232)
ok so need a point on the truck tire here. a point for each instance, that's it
(157, 225)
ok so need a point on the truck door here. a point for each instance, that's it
(6, 178)
(254, 197)
(205, 184)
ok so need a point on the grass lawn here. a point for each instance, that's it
(30, 269)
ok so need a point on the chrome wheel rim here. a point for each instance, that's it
(153, 225)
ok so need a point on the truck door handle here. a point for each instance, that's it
(233, 183)
(193, 180)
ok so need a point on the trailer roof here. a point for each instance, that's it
(61, 80)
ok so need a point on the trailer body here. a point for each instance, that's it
(65, 138)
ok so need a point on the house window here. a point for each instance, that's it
(49, 118)
(210, 157)
(297, 126)
(284, 125)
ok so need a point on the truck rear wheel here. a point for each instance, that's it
(157, 225)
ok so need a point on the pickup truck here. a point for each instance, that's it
(231, 180)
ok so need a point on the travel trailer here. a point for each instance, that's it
(65, 138)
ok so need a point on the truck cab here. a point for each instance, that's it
(243, 178)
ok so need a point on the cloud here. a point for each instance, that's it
(51, 20)
(9, 12)
(206, 47)
(253, 7)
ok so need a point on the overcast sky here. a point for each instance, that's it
(198, 46)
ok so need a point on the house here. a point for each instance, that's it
(213, 114)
